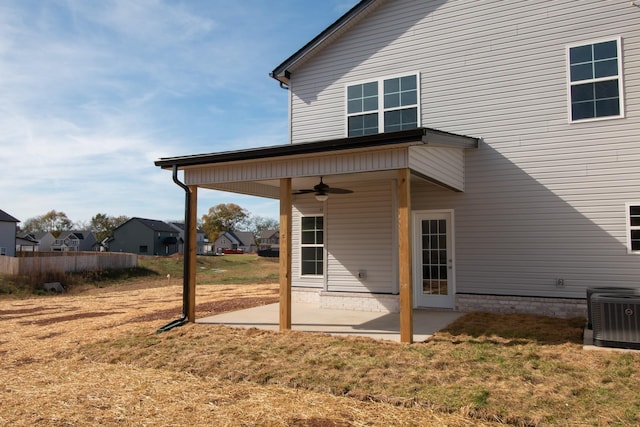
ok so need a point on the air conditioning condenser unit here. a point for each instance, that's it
(616, 320)
(605, 290)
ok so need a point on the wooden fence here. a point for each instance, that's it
(28, 263)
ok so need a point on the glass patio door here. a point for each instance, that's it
(434, 278)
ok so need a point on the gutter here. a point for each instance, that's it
(185, 273)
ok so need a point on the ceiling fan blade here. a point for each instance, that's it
(322, 188)
(338, 190)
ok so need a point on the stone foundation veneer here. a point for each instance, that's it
(348, 300)
(554, 307)
(305, 295)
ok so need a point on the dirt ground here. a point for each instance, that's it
(45, 380)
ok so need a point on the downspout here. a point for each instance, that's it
(187, 244)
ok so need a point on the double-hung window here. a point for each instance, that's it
(633, 226)
(595, 80)
(312, 240)
(385, 105)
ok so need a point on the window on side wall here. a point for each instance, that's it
(312, 247)
(3, 251)
(595, 80)
(633, 225)
(384, 105)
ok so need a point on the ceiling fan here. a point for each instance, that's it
(322, 191)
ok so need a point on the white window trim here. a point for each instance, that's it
(618, 40)
(324, 248)
(627, 220)
(381, 110)
(3, 251)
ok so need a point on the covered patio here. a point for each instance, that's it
(279, 172)
(308, 317)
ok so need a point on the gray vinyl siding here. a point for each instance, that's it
(327, 164)
(361, 236)
(479, 62)
(543, 199)
(442, 165)
(8, 237)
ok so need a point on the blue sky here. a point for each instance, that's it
(92, 92)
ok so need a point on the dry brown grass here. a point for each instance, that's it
(515, 369)
(59, 367)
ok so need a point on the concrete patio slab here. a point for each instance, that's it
(311, 318)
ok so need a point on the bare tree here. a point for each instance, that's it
(257, 224)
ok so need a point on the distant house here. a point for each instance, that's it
(235, 240)
(74, 241)
(43, 239)
(145, 237)
(202, 243)
(26, 244)
(101, 246)
(8, 228)
(269, 239)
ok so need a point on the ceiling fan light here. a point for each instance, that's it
(322, 197)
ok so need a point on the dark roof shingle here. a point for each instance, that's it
(5, 217)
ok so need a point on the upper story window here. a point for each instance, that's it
(389, 104)
(595, 80)
(633, 214)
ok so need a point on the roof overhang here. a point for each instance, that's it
(430, 154)
(426, 136)
(26, 242)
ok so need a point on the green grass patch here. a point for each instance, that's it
(16, 286)
(210, 270)
(117, 275)
(213, 270)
